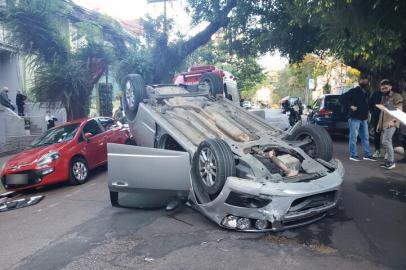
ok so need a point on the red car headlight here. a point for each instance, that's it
(48, 158)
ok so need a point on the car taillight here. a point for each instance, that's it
(325, 113)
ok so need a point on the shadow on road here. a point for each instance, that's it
(390, 188)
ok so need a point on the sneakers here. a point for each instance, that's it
(355, 158)
(370, 158)
(388, 165)
(377, 154)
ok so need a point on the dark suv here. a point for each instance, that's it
(327, 112)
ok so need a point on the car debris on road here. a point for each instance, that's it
(8, 203)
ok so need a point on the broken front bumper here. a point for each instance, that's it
(273, 206)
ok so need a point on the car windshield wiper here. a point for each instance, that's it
(41, 144)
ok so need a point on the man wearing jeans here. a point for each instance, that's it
(356, 102)
(387, 123)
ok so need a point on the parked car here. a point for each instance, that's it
(64, 153)
(205, 74)
(232, 166)
(328, 113)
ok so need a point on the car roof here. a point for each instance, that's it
(82, 120)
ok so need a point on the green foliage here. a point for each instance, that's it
(367, 34)
(67, 83)
(33, 25)
(64, 72)
(106, 99)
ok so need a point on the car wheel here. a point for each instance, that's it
(114, 199)
(213, 83)
(212, 163)
(320, 144)
(134, 92)
(78, 171)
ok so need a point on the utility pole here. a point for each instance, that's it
(165, 20)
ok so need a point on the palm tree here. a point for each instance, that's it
(63, 73)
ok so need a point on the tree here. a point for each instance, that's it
(62, 73)
(371, 38)
(217, 52)
(168, 56)
(293, 80)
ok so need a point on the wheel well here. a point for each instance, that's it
(77, 156)
(167, 142)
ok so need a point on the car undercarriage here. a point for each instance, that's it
(231, 165)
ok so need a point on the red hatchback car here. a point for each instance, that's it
(64, 153)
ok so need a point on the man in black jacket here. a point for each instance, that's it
(356, 100)
(20, 98)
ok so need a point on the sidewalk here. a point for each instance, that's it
(3, 160)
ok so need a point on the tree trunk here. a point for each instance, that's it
(166, 59)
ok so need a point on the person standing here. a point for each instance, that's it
(4, 100)
(356, 100)
(375, 112)
(118, 114)
(20, 102)
(50, 120)
(387, 124)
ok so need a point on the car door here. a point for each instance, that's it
(94, 148)
(143, 170)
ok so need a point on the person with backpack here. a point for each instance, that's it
(356, 103)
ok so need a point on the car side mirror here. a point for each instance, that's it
(88, 135)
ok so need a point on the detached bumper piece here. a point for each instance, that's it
(7, 203)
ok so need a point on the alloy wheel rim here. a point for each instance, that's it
(129, 94)
(79, 171)
(207, 167)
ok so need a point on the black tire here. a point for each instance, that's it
(321, 146)
(130, 142)
(78, 171)
(214, 82)
(133, 93)
(217, 152)
(114, 199)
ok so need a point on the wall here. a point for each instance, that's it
(36, 112)
(10, 73)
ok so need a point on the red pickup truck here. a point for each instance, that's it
(210, 74)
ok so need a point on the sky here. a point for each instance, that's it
(134, 9)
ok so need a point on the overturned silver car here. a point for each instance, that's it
(232, 166)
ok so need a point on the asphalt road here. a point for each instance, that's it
(75, 227)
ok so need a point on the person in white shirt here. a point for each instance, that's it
(50, 120)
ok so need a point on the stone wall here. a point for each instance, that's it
(16, 144)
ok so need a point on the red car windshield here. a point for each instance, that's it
(56, 135)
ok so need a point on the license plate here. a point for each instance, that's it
(17, 179)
